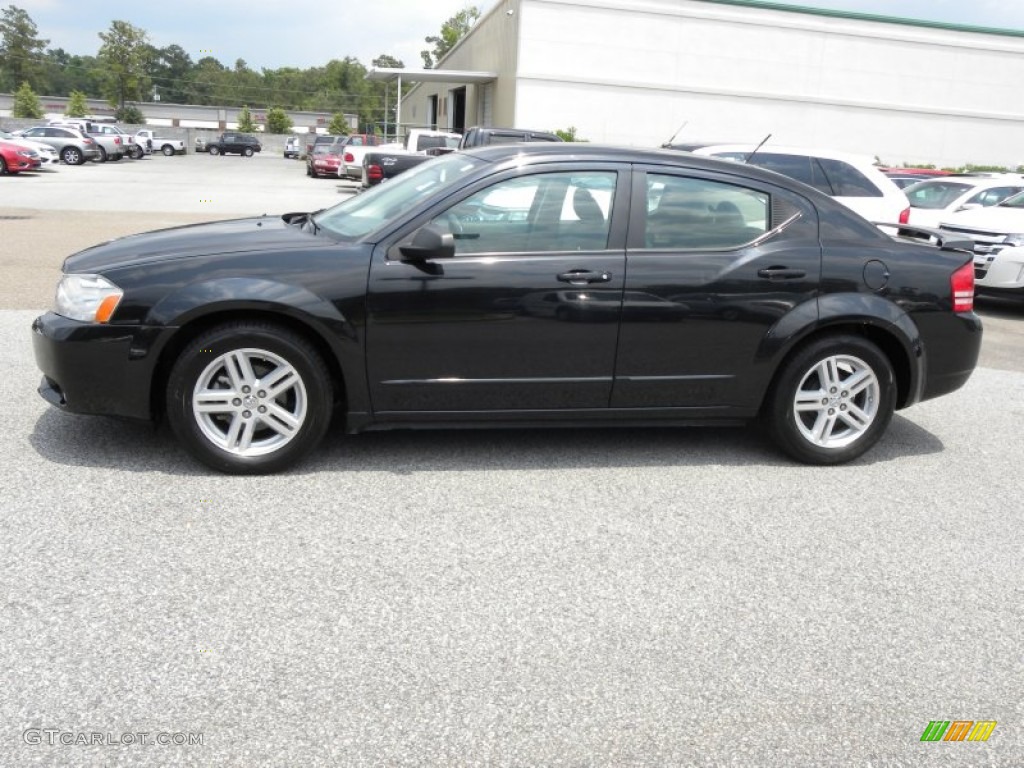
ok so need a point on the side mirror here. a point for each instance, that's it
(429, 243)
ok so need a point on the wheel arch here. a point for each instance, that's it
(344, 375)
(884, 324)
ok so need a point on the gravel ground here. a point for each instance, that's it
(521, 598)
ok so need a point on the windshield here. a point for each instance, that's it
(935, 194)
(364, 213)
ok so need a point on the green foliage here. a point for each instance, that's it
(452, 31)
(21, 51)
(245, 121)
(923, 166)
(278, 121)
(984, 168)
(124, 55)
(26, 103)
(130, 114)
(338, 125)
(569, 134)
(76, 105)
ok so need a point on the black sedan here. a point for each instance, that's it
(526, 285)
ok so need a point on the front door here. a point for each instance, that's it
(523, 318)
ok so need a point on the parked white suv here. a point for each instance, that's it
(998, 235)
(932, 201)
(852, 180)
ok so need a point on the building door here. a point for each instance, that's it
(458, 110)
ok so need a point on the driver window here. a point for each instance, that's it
(541, 212)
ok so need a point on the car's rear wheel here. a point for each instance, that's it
(103, 155)
(137, 152)
(214, 151)
(832, 400)
(3, 167)
(72, 156)
(249, 397)
(248, 152)
(168, 150)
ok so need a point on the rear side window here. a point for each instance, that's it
(993, 196)
(934, 195)
(688, 213)
(847, 181)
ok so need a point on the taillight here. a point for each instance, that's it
(374, 172)
(961, 283)
(117, 141)
(349, 157)
(905, 216)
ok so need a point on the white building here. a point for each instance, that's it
(634, 71)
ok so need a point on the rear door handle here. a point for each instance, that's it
(781, 273)
(583, 277)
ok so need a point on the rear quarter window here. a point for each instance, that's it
(847, 181)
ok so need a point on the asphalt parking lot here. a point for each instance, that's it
(605, 597)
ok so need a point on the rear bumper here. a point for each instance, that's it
(93, 369)
(949, 363)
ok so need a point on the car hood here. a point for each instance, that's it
(265, 233)
(994, 218)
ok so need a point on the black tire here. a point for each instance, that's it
(168, 150)
(103, 155)
(309, 170)
(137, 152)
(214, 150)
(213, 436)
(117, 157)
(72, 156)
(3, 166)
(248, 152)
(848, 393)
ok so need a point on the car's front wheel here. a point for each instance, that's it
(832, 400)
(248, 152)
(249, 398)
(214, 150)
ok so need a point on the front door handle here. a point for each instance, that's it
(583, 277)
(781, 273)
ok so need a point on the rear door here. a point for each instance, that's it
(714, 264)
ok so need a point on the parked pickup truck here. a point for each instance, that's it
(482, 137)
(389, 160)
(167, 146)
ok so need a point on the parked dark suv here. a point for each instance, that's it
(483, 137)
(235, 144)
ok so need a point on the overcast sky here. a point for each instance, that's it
(280, 33)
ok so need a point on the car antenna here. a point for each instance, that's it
(678, 131)
(757, 148)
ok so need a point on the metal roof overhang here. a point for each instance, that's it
(392, 74)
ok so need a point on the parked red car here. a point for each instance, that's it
(324, 161)
(15, 158)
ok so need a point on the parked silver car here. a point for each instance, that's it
(73, 146)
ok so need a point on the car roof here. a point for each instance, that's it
(552, 152)
(829, 154)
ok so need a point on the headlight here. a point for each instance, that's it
(89, 298)
(1014, 241)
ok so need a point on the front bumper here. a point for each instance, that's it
(999, 270)
(94, 369)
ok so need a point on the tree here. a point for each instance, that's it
(21, 52)
(278, 121)
(338, 125)
(569, 134)
(26, 103)
(130, 114)
(245, 121)
(169, 69)
(124, 54)
(452, 31)
(76, 105)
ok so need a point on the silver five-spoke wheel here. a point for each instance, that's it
(249, 402)
(837, 401)
(249, 397)
(832, 399)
